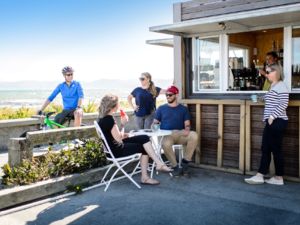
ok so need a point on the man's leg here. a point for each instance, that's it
(61, 117)
(77, 118)
(191, 142)
(167, 143)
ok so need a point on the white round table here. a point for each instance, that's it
(156, 140)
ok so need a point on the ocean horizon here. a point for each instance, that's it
(34, 93)
(35, 98)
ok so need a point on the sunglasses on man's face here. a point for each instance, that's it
(142, 78)
(169, 95)
(68, 74)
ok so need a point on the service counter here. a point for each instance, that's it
(230, 135)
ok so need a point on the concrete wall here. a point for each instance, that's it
(14, 128)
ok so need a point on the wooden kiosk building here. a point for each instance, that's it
(219, 47)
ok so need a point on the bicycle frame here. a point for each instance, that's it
(50, 123)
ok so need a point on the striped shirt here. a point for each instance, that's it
(276, 101)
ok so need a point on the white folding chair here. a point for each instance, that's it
(120, 163)
(179, 148)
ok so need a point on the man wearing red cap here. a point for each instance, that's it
(174, 116)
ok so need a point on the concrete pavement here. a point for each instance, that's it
(208, 197)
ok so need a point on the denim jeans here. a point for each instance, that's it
(144, 122)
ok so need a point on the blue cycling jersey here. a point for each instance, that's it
(70, 94)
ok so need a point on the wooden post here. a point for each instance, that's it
(220, 135)
(242, 138)
(15, 151)
(299, 139)
(198, 130)
(248, 138)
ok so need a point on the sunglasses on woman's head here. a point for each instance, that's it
(142, 78)
(269, 71)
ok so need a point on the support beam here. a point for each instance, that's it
(248, 138)
(198, 130)
(220, 135)
(242, 138)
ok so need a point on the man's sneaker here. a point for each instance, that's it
(275, 181)
(177, 171)
(255, 180)
(185, 169)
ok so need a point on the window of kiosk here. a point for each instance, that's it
(205, 64)
(296, 59)
(238, 60)
(248, 58)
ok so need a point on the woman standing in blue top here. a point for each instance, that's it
(145, 101)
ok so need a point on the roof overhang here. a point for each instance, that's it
(235, 22)
(166, 42)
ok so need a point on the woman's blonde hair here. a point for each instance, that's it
(108, 102)
(152, 88)
(278, 69)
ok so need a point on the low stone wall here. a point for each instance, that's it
(14, 128)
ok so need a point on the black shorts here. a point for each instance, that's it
(64, 116)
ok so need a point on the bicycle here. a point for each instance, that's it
(49, 123)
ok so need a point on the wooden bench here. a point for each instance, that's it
(22, 148)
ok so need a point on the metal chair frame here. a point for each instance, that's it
(120, 162)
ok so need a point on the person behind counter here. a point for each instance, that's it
(275, 118)
(145, 101)
(271, 58)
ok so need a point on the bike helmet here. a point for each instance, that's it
(67, 69)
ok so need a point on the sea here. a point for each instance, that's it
(34, 93)
(35, 98)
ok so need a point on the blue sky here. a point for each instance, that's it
(100, 39)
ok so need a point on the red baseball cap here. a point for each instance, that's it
(173, 89)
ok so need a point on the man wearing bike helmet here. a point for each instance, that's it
(72, 96)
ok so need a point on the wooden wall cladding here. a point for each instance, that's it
(256, 131)
(291, 143)
(205, 8)
(209, 134)
(231, 136)
(192, 110)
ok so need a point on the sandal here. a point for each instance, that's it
(164, 168)
(150, 181)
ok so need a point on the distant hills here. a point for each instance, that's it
(109, 84)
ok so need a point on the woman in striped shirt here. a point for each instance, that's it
(275, 118)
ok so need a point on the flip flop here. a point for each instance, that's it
(150, 181)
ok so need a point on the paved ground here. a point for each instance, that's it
(209, 197)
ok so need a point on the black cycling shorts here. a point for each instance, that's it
(64, 116)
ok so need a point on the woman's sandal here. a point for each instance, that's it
(164, 168)
(150, 181)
